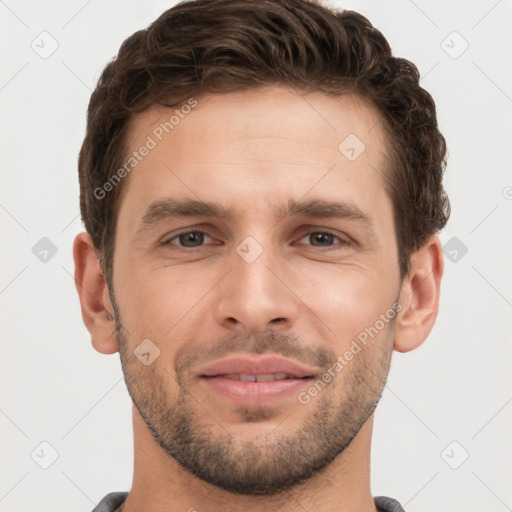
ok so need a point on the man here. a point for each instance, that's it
(261, 184)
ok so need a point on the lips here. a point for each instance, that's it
(261, 366)
(245, 377)
(255, 380)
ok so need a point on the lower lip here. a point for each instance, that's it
(255, 393)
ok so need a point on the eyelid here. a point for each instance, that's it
(344, 240)
(168, 239)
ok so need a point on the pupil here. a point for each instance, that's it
(189, 237)
(197, 237)
(323, 237)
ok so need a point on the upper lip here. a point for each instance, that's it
(261, 365)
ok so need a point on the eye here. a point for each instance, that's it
(196, 238)
(188, 239)
(324, 239)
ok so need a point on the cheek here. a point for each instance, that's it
(168, 301)
(348, 298)
(161, 302)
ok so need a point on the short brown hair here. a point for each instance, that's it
(210, 46)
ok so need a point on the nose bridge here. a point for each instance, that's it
(251, 266)
(253, 295)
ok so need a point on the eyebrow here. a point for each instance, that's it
(167, 209)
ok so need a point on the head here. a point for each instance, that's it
(247, 121)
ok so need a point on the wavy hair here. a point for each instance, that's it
(209, 46)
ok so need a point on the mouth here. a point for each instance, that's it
(268, 377)
(260, 381)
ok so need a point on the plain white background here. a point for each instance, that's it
(448, 400)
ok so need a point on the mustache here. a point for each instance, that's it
(269, 342)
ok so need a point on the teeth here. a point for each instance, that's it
(265, 378)
(244, 377)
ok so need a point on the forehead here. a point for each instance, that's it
(245, 148)
(265, 112)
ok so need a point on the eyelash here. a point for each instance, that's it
(191, 249)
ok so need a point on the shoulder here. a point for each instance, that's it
(110, 502)
(385, 504)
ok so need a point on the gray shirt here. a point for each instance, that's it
(113, 500)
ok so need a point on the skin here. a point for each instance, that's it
(254, 151)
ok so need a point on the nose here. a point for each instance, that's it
(258, 296)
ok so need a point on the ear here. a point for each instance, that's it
(419, 296)
(94, 297)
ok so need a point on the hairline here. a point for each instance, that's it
(357, 97)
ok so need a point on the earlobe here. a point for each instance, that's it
(419, 296)
(93, 294)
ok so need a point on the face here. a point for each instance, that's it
(236, 319)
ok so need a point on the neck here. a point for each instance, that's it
(161, 484)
